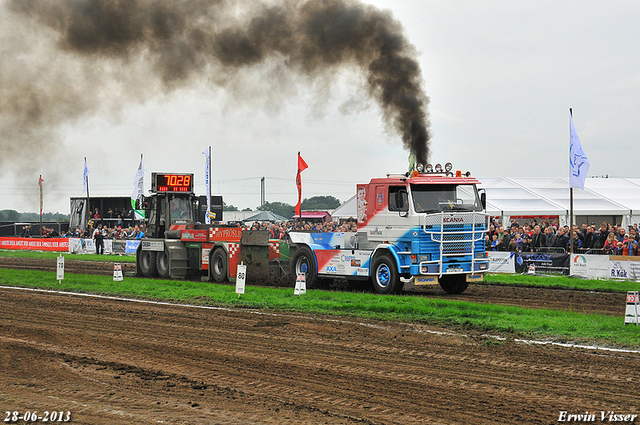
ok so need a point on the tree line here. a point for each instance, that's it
(27, 217)
(321, 203)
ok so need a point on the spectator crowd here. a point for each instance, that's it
(607, 239)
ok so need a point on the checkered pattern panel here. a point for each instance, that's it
(233, 250)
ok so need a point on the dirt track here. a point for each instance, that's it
(111, 362)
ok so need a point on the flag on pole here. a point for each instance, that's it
(577, 159)
(40, 180)
(207, 183)
(138, 191)
(85, 177)
(301, 167)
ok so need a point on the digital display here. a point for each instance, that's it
(176, 183)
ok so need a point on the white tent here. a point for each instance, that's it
(550, 196)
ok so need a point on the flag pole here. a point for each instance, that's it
(570, 189)
(40, 184)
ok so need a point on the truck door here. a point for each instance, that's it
(398, 221)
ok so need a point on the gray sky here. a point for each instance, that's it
(501, 77)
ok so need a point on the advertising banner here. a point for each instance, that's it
(591, 266)
(87, 246)
(627, 268)
(132, 246)
(501, 262)
(35, 244)
(542, 262)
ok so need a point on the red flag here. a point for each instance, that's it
(301, 167)
(40, 180)
(301, 164)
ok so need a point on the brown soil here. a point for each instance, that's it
(112, 362)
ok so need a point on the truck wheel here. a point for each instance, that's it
(304, 262)
(218, 266)
(386, 279)
(147, 261)
(162, 264)
(454, 284)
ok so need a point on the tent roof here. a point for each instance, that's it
(266, 216)
(550, 196)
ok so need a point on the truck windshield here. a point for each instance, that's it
(180, 210)
(429, 198)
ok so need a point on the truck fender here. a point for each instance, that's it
(386, 248)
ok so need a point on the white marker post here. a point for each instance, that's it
(60, 268)
(633, 307)
(117, 272)
(241, 278)
(301, 285)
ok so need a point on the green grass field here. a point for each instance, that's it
(83, 257)
(562, 282)
(460, 315)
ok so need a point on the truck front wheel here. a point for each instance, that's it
(218, 265)
(454, 284)
(386, 279)
(304, 262)
(147, 261)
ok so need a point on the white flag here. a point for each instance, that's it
(138, 190)
(207, 217)
(577, 160)
(85, 177)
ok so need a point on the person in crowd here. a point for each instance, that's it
(562, 239)
(627, 245)
(551, 236)
(589, 238)
(98, 238)
(519, 242)
(577, 243)
(97, 218)
(506, 239)
(611, 244)
(538, 239)
(603, 235)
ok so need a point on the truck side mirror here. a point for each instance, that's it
(483, 200)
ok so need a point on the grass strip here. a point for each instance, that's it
(562, 282)
(115, 258)
(506, 320)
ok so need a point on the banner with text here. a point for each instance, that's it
(501, 262)
(35, 244)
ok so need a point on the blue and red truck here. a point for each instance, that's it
(427, 226)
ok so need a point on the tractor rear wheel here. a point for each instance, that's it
(218, 266)
(147, 263)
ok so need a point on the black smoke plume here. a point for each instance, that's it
(66, 58)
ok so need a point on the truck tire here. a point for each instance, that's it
(147, 261)
(162, 264)
(455, 284)
(386, 279)
(304, 262)
(218, 266)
